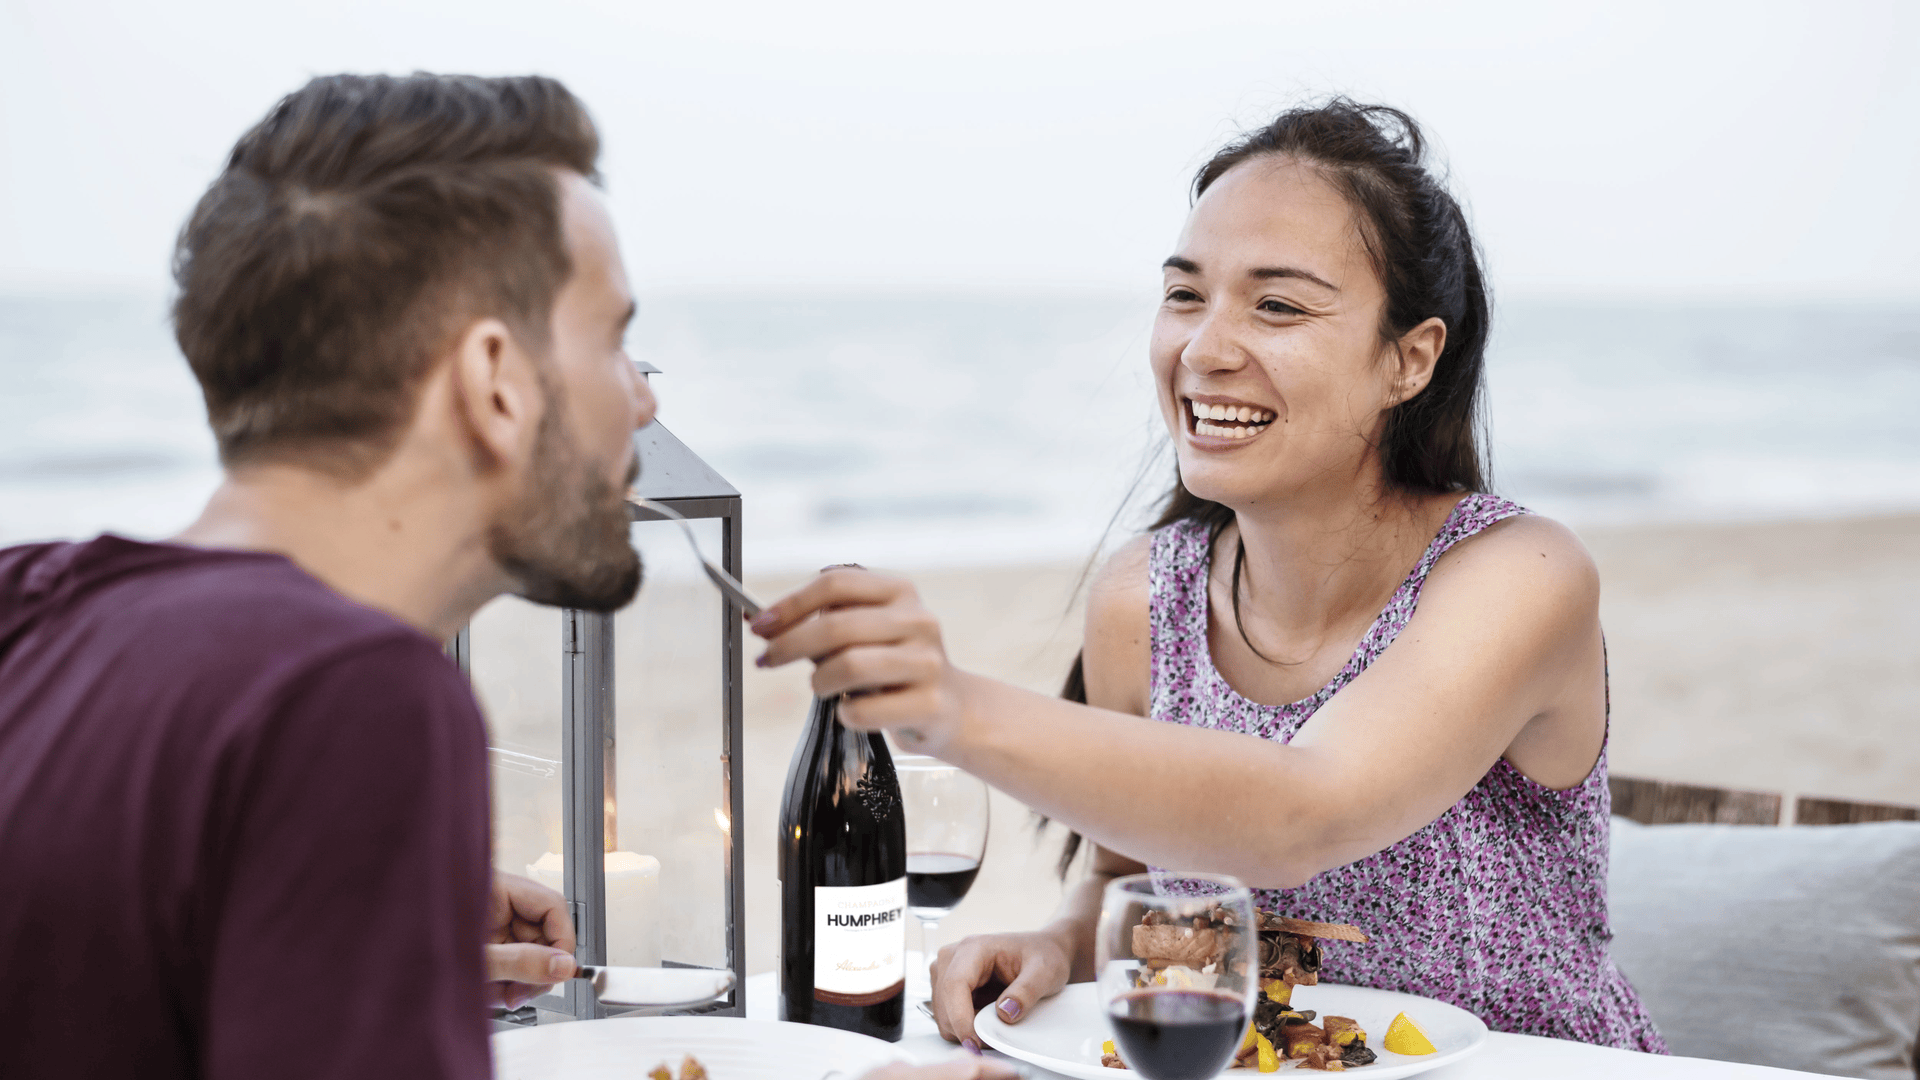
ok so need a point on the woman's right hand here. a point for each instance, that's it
(874, 642)
(1013, 970)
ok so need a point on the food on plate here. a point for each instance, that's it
(1196, 945)
(1196, 954)
(1290, 956)
(1405, 1037)
(1343, 1032)
(1289, 948)
(690, 1069)
(1336, 1043)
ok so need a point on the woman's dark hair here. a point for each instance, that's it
(1428, 264)
(1073, 689)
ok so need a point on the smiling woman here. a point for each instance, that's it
(1337, 667)
(1338, 193)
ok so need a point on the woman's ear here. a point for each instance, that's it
(494, 395)
(1419, 350)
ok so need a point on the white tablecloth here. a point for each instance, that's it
(1505, 1057)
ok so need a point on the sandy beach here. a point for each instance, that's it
(1772, 656)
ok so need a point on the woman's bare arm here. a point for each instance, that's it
(1036, 964)
(1505, 621)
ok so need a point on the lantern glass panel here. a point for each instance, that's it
(513, 649)
(668, 810)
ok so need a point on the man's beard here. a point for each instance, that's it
(565, 540)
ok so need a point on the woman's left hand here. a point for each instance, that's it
(874, 642)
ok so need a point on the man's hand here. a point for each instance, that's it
(870, 639)
(529, 940)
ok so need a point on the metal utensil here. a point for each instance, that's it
(733, 589)
(656, 986)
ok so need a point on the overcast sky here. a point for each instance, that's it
(1625, 149)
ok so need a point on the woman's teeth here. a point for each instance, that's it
(1241, 421)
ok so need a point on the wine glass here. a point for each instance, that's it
(1178, 958)
(946, 838)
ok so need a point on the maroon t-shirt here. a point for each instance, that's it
(243, 825)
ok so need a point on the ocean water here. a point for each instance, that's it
(917, 431)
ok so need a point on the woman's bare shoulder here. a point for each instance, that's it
(1118, 644)
(1524, 555)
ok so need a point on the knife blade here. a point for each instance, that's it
(656, 986)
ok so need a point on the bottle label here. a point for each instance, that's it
(860, 943)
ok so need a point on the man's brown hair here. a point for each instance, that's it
(353, 231)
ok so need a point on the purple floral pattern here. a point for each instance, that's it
(1498, 906)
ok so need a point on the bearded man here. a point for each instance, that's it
(243, 802)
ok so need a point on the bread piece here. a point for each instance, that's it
(1307, 928)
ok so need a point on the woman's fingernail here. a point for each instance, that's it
(971, 1047)
(761, 621)
(760, 661)
(559, 967)
(1010, 1009)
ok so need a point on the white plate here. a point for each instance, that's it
(731, 1049)
(1064, 1032)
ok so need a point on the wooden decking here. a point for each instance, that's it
(1657, 802)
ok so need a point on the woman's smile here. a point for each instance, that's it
(1217, 423)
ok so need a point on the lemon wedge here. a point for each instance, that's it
(1268, 1059)
(1405, 1037)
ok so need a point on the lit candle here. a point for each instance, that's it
(632, 915)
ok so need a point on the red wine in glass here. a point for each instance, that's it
(947, 818)
(1178, 1034)
(1174, 958)
(938, 880)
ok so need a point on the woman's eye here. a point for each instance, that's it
(1279, 307)
(1180, 295)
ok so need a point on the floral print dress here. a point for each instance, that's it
(1499, 906)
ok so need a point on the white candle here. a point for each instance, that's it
(633, 909)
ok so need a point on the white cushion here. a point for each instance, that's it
(1792, 947)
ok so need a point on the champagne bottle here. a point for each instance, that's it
(843, 882)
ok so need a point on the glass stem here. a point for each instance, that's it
(929, 938)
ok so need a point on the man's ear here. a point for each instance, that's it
(495, 393)
(1419, 350)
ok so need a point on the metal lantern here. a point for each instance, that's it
(663, 885)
